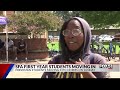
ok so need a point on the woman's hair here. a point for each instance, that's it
(62, 45)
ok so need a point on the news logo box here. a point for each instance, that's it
(106, 66)
(109, 67)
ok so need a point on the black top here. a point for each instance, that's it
(1, 43)
(21, 45)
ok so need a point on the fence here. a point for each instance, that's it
(103, 49)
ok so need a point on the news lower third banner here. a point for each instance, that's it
(5, 69)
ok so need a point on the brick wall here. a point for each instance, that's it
(36, 44)
(36, 48)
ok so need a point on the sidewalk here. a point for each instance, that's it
(28, 74)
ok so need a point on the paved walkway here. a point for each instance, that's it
(14, 74)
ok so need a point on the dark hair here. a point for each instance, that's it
(62, 45)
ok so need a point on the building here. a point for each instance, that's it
(105, 31)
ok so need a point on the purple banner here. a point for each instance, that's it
(3, 20)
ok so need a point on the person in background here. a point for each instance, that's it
(1, 48)
(112, 50)
(75, 39)
(52, 49)
(22, 48)
(1, 44)
(119, 52)
(11, 46)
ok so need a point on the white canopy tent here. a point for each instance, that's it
(3, 21)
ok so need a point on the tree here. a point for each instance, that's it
(34, 22)
(65, 15)
(102, 19)
(97, 19)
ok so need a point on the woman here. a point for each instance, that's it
(75, 39)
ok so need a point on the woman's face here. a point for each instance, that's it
(73, 35)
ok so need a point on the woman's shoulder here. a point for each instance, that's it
(99, 59)
(98, 55)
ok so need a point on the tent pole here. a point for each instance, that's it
(6, 43)
(6, 29)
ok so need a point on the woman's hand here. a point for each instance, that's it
(85, 74)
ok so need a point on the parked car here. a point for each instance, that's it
(94, 37)
(105, 38)
(56, 37)
(50, 36)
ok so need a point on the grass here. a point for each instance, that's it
(107, 47)
(56, 46)
(116, 44)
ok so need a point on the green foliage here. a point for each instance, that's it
(34, 22)
(2, 26)
(65, 15)
(102, 19)
(97, 19)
